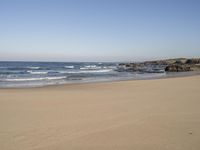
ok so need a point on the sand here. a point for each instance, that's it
(162, 114)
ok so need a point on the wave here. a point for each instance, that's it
(33, 67)
(23, 68)
(37, 72)
(56, 78)
(34, 79)
(96, 71)
(8, 72)
(109, 67)
(87, 71)
(90, 67)
(69, 67)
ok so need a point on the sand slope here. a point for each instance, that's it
(161, 114)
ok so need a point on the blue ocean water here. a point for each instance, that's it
(35, 74)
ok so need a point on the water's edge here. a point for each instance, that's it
(42, 74)
(174, 75)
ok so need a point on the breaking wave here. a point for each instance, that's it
(34, 79)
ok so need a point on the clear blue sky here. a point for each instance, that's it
(99, 30)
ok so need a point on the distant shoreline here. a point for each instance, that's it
(39, 74)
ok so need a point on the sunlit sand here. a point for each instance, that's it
(161, 114)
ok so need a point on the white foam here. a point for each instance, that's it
(96, 71)
(69, 67)
(33, 67)
(35, 79)
(88, 71)
(90, 67)
(56, 78)
(37, 72)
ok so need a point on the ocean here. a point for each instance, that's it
(37, 74)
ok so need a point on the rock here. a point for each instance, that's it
(169, 65)
(195, 67)
(177, 68)
(193, 61)
(130, 67)
(179, 62)
(166, 61)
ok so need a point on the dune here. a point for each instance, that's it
(161, 114)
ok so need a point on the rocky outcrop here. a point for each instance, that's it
(193, 61)
(169, 65)
(130, 67)
(195, 67)
(183, 66)
(177, 68)
(166, 61)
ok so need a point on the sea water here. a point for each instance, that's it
(35, 74)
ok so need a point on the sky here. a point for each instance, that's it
(98, 30)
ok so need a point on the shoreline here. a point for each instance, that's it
(170, 75)
(38, 74)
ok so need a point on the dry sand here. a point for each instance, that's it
(162, 114)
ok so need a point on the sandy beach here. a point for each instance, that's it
(161, 114)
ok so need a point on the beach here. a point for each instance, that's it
(159, 114)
